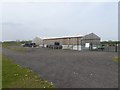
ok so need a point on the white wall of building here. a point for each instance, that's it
(72, 47)
(38, 41)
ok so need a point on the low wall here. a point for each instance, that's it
(72, 47)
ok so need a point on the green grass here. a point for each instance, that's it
(116, 59)
(10, 45)
(7, 44)
(0, 71)
(15, 76)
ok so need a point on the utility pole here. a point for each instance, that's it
(116, 47)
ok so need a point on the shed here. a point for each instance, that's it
(90, 40)
(37, 41)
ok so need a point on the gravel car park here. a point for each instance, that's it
(68, 68)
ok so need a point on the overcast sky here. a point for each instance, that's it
(26, 20)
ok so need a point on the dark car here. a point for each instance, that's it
(55, 46)
(29, 45)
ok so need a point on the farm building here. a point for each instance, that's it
(66, 42)
(90, 41)
(76, 42)
(37, 41)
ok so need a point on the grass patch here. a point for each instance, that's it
(0, 71)
(15, 46)
(7, 44)
(15, 76)
(116, 59)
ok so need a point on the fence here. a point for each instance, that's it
(104, 49)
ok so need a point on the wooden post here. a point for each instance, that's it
(77, 43)
(68, 42)
(81, 43)
(43, 43)
(116, 47)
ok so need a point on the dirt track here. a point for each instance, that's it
(70, 69)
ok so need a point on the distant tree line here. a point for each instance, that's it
(18, 41)
(24, 41)
(15, 43)
(110, 43)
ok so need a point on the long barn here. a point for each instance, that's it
(66, 42)
(75, 42)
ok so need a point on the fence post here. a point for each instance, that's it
(116, 47)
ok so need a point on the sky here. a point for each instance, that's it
(26, 20)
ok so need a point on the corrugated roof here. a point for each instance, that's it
(64, 37)
(91, 36)
(88, 36)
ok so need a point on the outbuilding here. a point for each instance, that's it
(38, 41)
(90, 41)
(69, 42)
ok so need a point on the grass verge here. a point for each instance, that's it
(0, 71)
(7, 44)
(15, 46)
(15, 76)
(116, 59)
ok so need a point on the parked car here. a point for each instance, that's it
(55, 46)
(101, 47)
(29, 45)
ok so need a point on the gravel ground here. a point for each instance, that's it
(70, 69)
